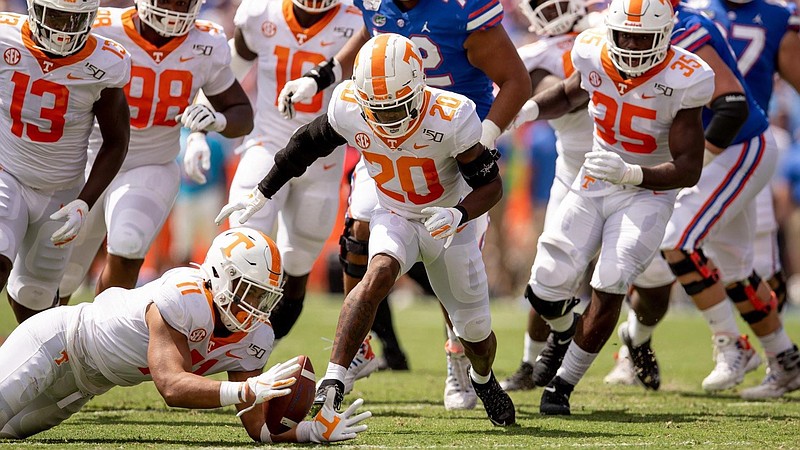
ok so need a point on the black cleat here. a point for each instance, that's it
(555, 398)
(521, 380)
(644, 361)
(553, 353)
(321, 395)
(394, 359)
(496, 402)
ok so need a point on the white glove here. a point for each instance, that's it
(442, 223)
(489, 134)
(197, 157)
(199, 117)
(529, 112)
(610, 167)
(300, 90)
(75, 213)
(254, 201)
(331, 426)
(272, 383)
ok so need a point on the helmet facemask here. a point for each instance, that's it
(392, 118)
(635, 62)
(168, 22)
(60, 32)
(552, 17)
(254, 301)
(315, 6)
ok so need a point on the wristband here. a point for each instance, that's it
(326, 73)
(220, 122)
(231, 393)
(464, 215)
(265, 435)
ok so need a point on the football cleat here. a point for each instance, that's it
(322, 395)
(496, 402)
(734, 357)
(644, 361)
(458, 392)
(393, 359)
(555, 398)
(783, 376)
(362, 365)
(623, 372)
(521, 380)
(548, 362)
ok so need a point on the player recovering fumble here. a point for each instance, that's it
(433, 175)
(190, 322)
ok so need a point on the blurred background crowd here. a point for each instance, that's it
(528, 165)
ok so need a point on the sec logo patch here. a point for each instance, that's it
(269, 29)
(12, 56)
(197, 335)
(363, 141)
(595, 79)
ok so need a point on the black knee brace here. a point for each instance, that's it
(695, 261)
(550, 310)
(745, 291)
(348, 244)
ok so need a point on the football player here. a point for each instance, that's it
(191, 322)
(173, 57)
(429, 191)
(57, 77)
(645, 97)
(461, 42)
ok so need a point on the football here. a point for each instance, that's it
(284, 413)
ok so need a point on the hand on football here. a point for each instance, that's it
(254, 201)
(273, 383)
(331, 426)
(199, 117)
(609, 166)
(197, 157)
(75, 213)
(300, 90)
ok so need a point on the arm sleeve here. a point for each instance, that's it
(309, 143)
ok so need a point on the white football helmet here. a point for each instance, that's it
(643, 17)
(167, 22)
(552, 17)
(315, 6)
(61, 27)
(245, 271)
(389, 84)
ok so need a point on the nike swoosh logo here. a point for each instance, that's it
(328, 166)
(645, 96)
(185, 58)
(417, 147)
(73, 77)
(326, 43)
(565, 341)
(231, 355)
(550, 388)
(659, 193)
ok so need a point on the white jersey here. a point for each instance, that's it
(164, 81)
(573, 130)
(111, 335)
(286, 51)
(46, 104)
(418, 169)
(633, 116)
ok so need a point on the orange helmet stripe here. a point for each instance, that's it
(635, 11)
(379, 65)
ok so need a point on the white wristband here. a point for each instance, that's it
(489, 133)
(220, 122)
(231, 393)
(634, 176)
(265, 436)
(531, 109)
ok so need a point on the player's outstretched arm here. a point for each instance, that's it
(554, 102)
(789, 59)
(113, 117)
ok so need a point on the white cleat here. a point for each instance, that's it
(458, 391)
(783, 376)
(363, 364)
(734, 357)
(623, 372)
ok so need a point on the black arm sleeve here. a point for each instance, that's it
(730, 114)
(323, 74)
(310, 142)
(482, 170)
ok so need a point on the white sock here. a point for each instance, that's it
(335, 372)
(561, 324)
(776, 342)
(532, 349)
(721, 319)
(478, 378)
(576, 363)
(639, 332)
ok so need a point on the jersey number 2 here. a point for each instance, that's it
(50, 92)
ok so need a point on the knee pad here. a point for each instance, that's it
(127, 242)
(73, 277)
(695, 261)
(550, 309)
(746, 291)
(348, 244)
(778, 285)
(35, 296)
(473, 325)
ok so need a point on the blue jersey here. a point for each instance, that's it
(754, 31)
(694, 30)
(439, 28)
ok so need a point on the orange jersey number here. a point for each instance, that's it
(686, 64)
(290, 67)
(446, 106)
(55, 115)
(403, 170)
(174, 90)
(635, 141)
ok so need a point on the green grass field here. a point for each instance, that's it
(408, 411)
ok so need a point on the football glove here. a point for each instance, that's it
(272, 383)
(197, 157)
(75, 213)
(331, 426)
(442, 223)
(528, 113)
(199, 117)
(300, 90)
(609, 166)
(254, 201)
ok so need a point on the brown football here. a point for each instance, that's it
(284, 413)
